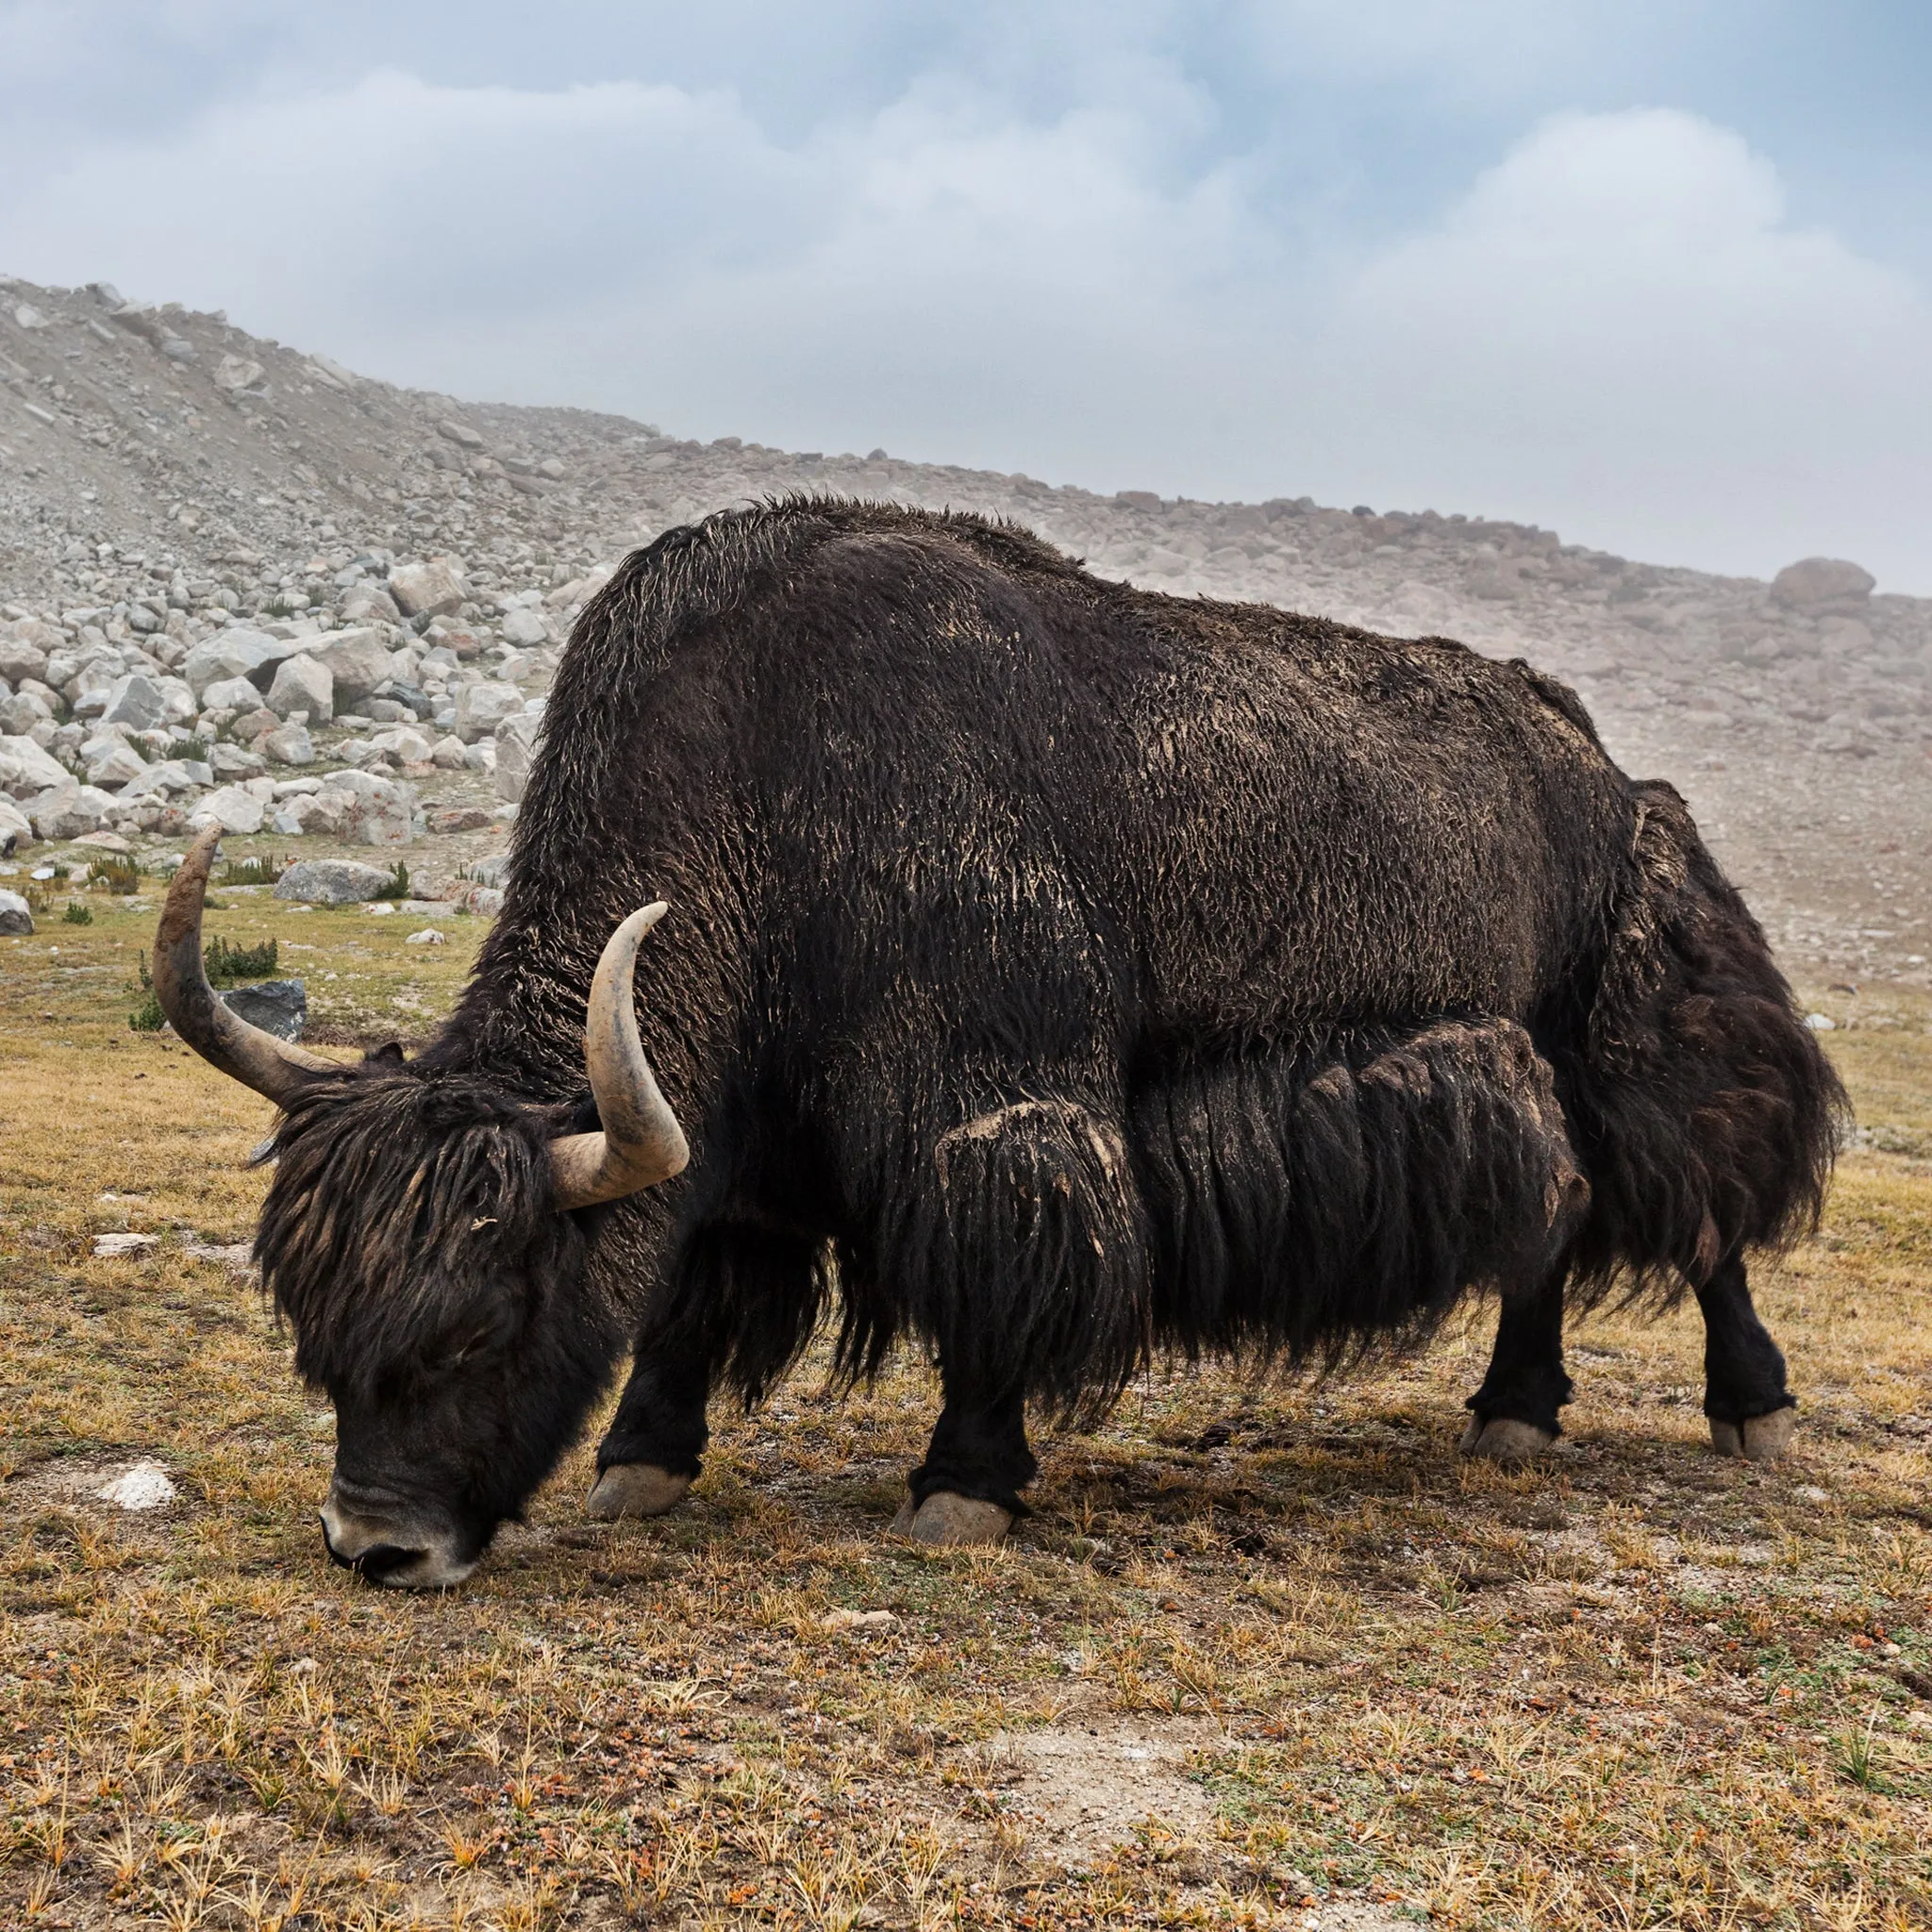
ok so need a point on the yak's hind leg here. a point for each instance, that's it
(1752, 1412)
(1513, 1415)
(967, 1491)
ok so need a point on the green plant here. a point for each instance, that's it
(263, 870)
(398, 886)
(227, 964)
(77, 914)
(147, 1016)
(195, 748)
(117, 874)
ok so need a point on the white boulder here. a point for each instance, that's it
(232, 809)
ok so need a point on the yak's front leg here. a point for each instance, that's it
(1752, 1412)
(1513, 1415)
(654, 1448)
(967, 1491)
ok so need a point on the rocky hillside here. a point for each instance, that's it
(197, 511)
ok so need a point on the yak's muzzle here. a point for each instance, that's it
(391, 1548)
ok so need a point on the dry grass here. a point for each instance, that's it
(1637, 1687)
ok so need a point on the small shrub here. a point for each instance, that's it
(117, 874)
(77, 914)
(195, 748)
(398, 886)
(225, 965)
(147, 1017)
(262, 871)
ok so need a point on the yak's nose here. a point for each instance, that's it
(387, 1549)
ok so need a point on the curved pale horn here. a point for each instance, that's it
(642, 1142)
(258, 1059)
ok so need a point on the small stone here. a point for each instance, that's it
(230, 694)
(146, 1486)
(238, 371)
(1820, 1023)
(449, 754)
(111, 1246)
(459, 433)
(237, 761)
(276, 1006)
(858, 1620)
(427, 937)
(177, 349)
(459, 818)
(330, 881)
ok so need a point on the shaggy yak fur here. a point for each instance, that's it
(1057, 974)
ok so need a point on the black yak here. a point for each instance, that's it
(1058, 975)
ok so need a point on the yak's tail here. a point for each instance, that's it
(1702, 1107)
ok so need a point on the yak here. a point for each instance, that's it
(1059, 977)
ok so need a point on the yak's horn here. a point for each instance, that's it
(221, 1036)
(642, 1142)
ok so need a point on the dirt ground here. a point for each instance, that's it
(1266, 1653)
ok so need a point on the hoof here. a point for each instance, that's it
(634, 1489)
(1504, 1439)
(1764, 1439)
(945, 1519)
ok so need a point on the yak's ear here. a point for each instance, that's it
(388, 1055)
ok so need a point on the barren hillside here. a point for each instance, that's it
(166, 479)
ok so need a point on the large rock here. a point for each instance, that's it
(16, 828)
(16, 916)
(303, 683)
(481, 707)
(289, 744)
(231, 808)
(355, 660)
(169, 775)
(237, 372)
(68, 809)
(1820, 581)
(230, 694)
(403, 743)
(237, 653)
(179, 697)
(26, 769)
(516, 748)
(329, 881)
(112, 764)
(525, 627)
(21, 657)
(19, 713)
(434, 587)
(276, 1006)
(135, 701)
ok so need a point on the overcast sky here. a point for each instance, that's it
(1657, 273)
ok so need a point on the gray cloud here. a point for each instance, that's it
(1073, 268)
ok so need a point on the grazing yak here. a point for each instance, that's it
(1056, 975)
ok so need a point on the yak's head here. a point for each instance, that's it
(419, 1236)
